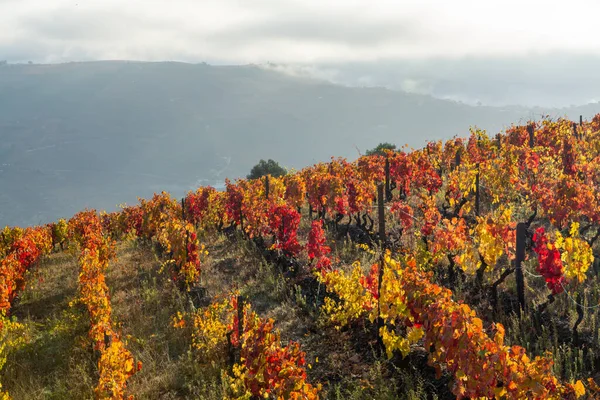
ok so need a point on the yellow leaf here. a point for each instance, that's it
(414, 334)
(579, 389)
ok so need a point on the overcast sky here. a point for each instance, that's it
(303, 31)
(529, 52)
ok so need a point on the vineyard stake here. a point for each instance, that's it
(241, 217)
(457, 159)
(530, 130)
(382, 240)
(240, 313)
(477, 195)
(519, 258)
(381, 214)
(388, 191)
(267, 187)
(107, 339)
(580, 314)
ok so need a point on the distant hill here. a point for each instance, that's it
(101, 133)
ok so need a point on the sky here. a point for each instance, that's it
(290, 31)
(350, 41)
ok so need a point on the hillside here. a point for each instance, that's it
(466, 269)
(102, 133)
(57, 360)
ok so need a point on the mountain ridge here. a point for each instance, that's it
(97, 134)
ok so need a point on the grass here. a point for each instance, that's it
(54, 359)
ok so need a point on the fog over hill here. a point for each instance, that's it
(555, 79)
(98, 134)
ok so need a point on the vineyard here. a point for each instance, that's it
(469, 268)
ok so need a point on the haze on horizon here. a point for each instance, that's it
(496, 52)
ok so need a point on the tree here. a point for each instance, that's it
(266, 168)
(379, 150)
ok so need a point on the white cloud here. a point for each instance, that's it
(307, 31)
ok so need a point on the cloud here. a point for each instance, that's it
(554, 80)
(494, 51)
(324, 29)
(79, 26)
(294, 31)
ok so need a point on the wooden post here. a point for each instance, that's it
(581, 120)
(107, 339)
(240, 332)
(530, 130)
(388, 191)
(579, 308)
(241, 217)
(381, 214)
(230, 351)
(477, 195)
(519, 258)
(267, 187)
(457, 158)
(183, 208)
(382, 241)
